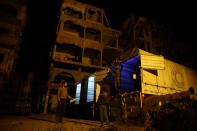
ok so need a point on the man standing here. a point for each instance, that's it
(62, 96)
(103, 101)
(116, 73)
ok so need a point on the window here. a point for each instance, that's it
(75, 29)
(78, 91)
(93, 34)
(90, 92)
(72, 12)
(94, 15)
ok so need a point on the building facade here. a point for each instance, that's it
(12, 23)
(85, 43)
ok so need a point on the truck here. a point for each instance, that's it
(151, 86)
(157, 75)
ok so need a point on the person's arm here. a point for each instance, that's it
(70, 97)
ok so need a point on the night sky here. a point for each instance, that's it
(39, 34)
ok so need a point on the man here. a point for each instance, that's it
(62, 96)
(116, 73)
(103, 101)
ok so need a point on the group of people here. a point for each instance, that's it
(103, 99)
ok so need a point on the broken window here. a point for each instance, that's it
(91, 57)
(72, 12)
(1, 58)
(94, 15)
(93, 34)
(72, 52)
(154, 72)
(74, 28)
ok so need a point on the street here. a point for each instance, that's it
(40, 122)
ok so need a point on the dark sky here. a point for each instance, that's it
(177, 15)
(42, 19)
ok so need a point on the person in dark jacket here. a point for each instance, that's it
(103, 101)
(116, 73)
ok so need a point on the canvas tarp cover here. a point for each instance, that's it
(100, 75)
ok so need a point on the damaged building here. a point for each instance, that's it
(85, 43)
(147, 34)
(155, 37)
(12, 23)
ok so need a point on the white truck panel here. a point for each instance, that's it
(167, 79)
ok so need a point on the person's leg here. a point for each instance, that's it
(63, 108)
(101, 113)
(60, 111)
(105, 114)
(125, 113)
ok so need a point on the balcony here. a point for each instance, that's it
(69, 61)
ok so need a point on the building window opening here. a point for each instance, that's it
(91, 57)
(93, 34)
(72, 12)
(94, 16)
(69, 52)
(76, 30)
(90, 91)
